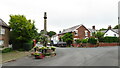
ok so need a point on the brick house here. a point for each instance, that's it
(4, 34)
(79, 32)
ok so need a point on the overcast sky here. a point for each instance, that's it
(63, 14)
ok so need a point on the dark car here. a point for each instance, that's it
(61, 44)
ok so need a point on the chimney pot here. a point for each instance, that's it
(93, 27)
(109, 27)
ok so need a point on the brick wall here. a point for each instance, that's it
(81, 32)
(108, 44)
(98, 45)
(5, 37)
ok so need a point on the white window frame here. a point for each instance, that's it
(2, 31)
(1, 42)
(76, 33)
(86, 33)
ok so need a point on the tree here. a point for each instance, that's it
(50, 34)
(98, 35)
(23, 30)
(68, 38)
(117, 26)
(102, 29)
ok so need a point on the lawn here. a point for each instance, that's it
(13, 55)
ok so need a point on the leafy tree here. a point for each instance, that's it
(50, 34)
(98, 35)
(68, 38)
(117, 26)
(23, 30)
(102, 29)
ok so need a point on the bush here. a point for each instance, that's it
(6, 50)
(78, 41)
(92, 40)
(84, 41)
(110, 39)
(27, 46)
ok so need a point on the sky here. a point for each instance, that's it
(63, 14)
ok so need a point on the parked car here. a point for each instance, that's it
(61, 44)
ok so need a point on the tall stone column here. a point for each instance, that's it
(45, 22)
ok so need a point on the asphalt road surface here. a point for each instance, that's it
(101, 56)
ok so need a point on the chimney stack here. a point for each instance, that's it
(93, 27)
(109, 27)
(59, 31)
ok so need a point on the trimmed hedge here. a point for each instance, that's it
(92, 40)
(109, 40)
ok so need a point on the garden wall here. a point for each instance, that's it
(108, 44)
(98, 45)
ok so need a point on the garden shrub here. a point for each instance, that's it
(27, 46)
(78, 41)
(84, 40)
(6, 50)
(110, 39)
(92, 40)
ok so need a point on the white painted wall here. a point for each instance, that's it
(111, 33)
(55, 39)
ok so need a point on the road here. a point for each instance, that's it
(101, 56)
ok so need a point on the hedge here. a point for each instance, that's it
(84, 40)
(92, 40)
(27, 46)
(109, 40)
(6, 50)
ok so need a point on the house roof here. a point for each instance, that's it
(72, 29)
(92, 30)
(114, 30)
(2, 23)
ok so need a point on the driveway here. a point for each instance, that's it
(101, 56)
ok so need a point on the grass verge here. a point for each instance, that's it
(13, 55)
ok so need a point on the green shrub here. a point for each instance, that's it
(6, 50)
(110, 39)
(84, 41)
(78, 41)
(21, 49)
(92, 40)
(27, 46)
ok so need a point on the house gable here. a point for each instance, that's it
(111, 32)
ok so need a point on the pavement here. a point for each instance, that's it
(100, 56)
